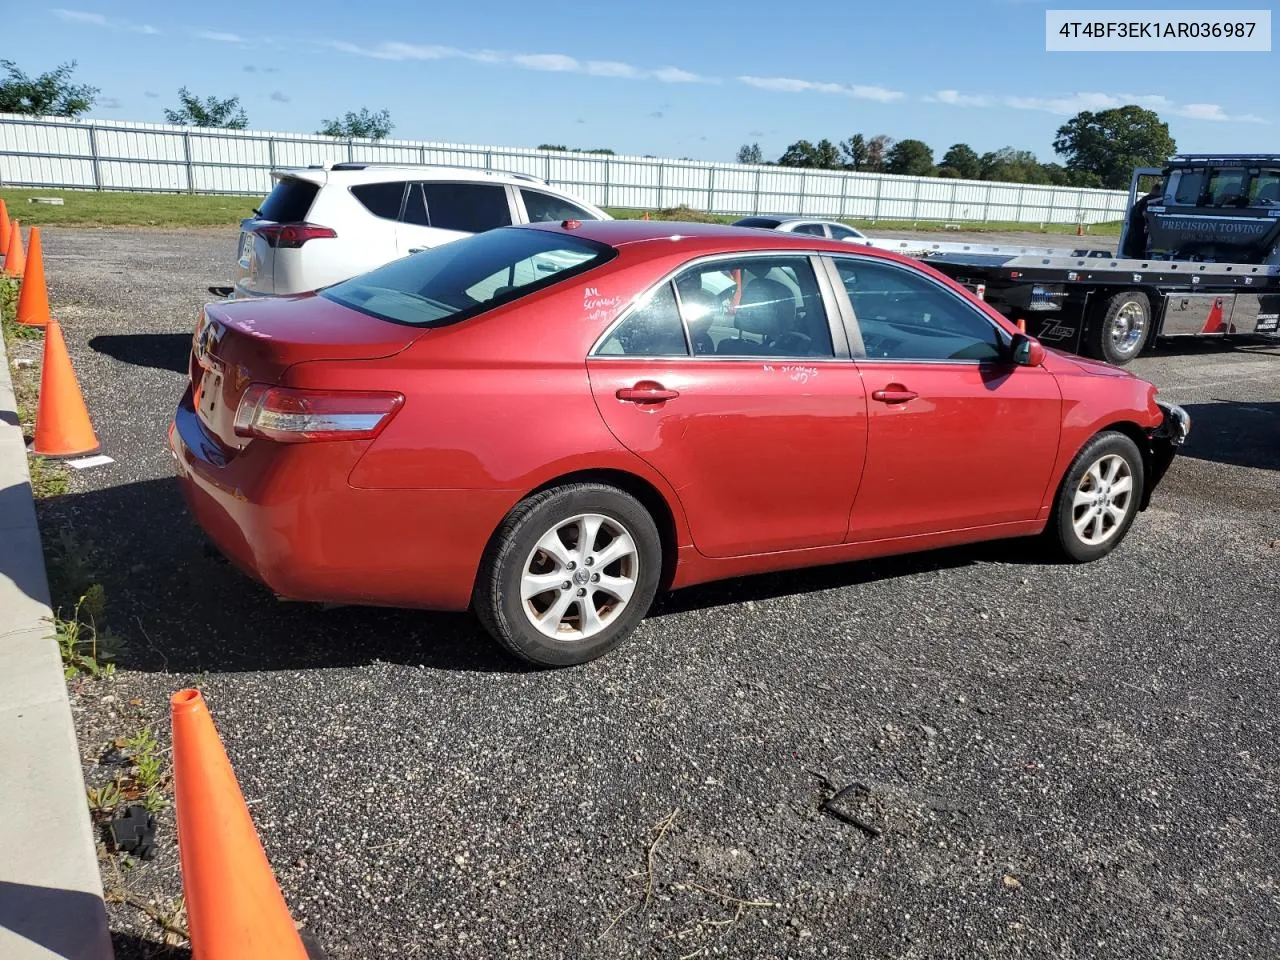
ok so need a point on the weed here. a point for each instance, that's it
(68, 560)
(148, 769)
(48, 479)
(85, 644)
(104, 800)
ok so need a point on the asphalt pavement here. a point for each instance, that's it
(1054, 761)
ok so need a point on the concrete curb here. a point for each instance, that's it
(50, 889)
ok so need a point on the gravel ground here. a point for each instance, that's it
(1058, 761)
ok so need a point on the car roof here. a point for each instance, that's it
(708, 237)
(378, 172)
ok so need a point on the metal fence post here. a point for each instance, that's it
(351, 150)
(711, 189)
(1022, 192)
(803, 175)
(488, 159)
(93, 152)
(186, 154)
(606, 180)
(986, 205)
(547, 167)
(844, 194)
(756, 204)
(875, 214)
(661, 168)
(915, 202)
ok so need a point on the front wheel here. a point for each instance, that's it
(1098, 499)
(1120, 330)
(569, 574)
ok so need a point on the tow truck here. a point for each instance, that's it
(1198, 256)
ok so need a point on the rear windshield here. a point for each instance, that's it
(289, 201)
(460, 279)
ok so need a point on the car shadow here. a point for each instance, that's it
(1242, 433)
(1213, 346)
(181, 609)
(164, 351)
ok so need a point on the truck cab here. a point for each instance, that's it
(1212, 209)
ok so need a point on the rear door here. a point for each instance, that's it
(437, 212)
(763, 433)
(957, 435)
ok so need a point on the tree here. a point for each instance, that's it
(911, 158)
(854, 151)
(750, 153)
(51, 94)
(1012, 166)
(962, 160)
(363, 125)
(802, 153)
(877, 152)
(1109, 144)
(210, 112)
(553, 146)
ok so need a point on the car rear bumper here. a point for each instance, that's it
(286, 515)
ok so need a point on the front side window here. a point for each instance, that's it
(755, 307)
(381, 199)
(651, 329)
(470, 207)
(904, 316)
(1264, 189)
(457, 280)
(545, 208)
(1225, 187)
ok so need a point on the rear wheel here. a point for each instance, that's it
(1121, 329)
(1098, 498)
(569, 574)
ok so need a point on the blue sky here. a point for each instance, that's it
(694, 78)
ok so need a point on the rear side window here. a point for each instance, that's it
(460, 279)
(381, 199)
(543, 207)
(473, 207)
(652, 329)
(289, 201)
(812, 229)
(843, 233)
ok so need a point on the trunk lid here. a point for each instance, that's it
(290, 201)
(256, 341)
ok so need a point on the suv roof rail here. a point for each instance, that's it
(367, 164)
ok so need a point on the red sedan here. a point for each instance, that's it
(548, 424)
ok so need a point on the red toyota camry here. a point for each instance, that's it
(548, 424)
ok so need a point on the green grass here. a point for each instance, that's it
(91, 208)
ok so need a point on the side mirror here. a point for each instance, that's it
(1027, 351)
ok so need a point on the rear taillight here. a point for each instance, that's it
(292, 235)
(289, 415)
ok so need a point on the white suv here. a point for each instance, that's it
(320, 225)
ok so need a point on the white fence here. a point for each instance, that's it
(98, 155)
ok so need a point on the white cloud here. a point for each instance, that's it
(219, 36)
(81, 16)
(1070, 104)
(88, 19)
(792, 85)
(546, 62)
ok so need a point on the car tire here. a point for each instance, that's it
(1095, 507)
(1121, 329)
(611, 581)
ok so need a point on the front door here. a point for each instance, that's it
(957, 435)
(727, 383)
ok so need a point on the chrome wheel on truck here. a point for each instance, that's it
(1120, 330)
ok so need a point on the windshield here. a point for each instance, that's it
(460, 279)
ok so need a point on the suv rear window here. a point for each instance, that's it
(381, 199)
(460, 279)
(289, 201)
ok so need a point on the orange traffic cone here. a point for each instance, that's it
(646, 215)
(63, 428)
(234, 908)
(33, 298)
(1214, 322)
(15, 258)
(1079, 229)
(1022, 325)
(5, 229)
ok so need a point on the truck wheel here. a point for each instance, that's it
(569, 574)
(1120, 330)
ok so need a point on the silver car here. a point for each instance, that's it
(816, 228)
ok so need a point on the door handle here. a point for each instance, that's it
(646, 392)
(894, 395)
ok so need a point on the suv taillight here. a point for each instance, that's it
(293, 235)
(289, 415)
